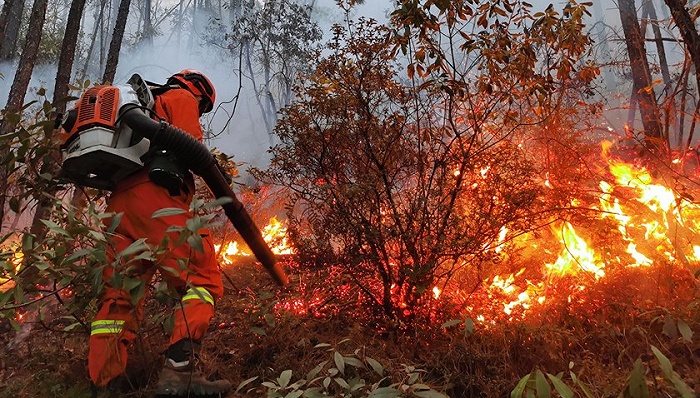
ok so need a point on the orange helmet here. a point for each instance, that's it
(198, 84)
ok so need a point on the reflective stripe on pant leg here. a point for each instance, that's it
(107, 357)
(198, 293)
(192, 319)
(106, 326)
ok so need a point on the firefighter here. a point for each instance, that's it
(163, 183)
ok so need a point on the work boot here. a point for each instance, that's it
(185, 380)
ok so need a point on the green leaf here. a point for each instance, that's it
(314, 392)
(195, 242)
(664, 363)
(352, 361)
(430, 394)
(258, 331)
(168, 211)
(284, 378)
(543, 389)
(53, 227)
(169, 270)
(681, 387)
(468, 326)
(72, 326)
(135, 247)
(116, 220)
(137, 293)
(376, 366)
(451, 323)
(670, 329)
(520, 387)
(218, 202)
(685, 330)
(294, 394)
(385, 392)
(560, 386)
(670, 375)
(78, 254)
(339, 362)
(97, 235)
(15, 325)
(316, 370)
(245, 383)
(341, 382)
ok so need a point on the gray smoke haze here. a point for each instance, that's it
(243, 134)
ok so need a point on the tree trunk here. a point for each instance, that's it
(116, 43)
(18, 90)
(147, 23)
(235, 9)
(642, 88)
(51, 162)
(67, 55)
(602, 40)
(12, 25)
(650, 12)
(95, 31)
(4, 14)
(691, 38)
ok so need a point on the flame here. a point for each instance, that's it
(274, 234)
(14, 256)
(653, 221)
(575, 253)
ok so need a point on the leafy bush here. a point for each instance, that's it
(348, 375)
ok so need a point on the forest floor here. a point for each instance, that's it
(246, 342)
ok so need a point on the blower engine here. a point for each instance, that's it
(98, 149)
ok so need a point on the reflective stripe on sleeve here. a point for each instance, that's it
(107, 326)
(198, 293)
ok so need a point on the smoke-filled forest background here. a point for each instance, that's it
(471, 199)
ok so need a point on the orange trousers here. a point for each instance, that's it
(192, 272)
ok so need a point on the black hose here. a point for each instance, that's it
(197, 158)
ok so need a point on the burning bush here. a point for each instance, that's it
(400, 187)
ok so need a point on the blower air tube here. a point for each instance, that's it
(197, 158)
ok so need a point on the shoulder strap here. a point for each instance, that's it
(157, 89)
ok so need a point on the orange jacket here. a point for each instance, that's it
(179, 107)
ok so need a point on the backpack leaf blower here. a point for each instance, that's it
(107, 134)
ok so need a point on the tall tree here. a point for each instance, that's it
(67, 55)
(96, 32)
(116, 42)
(4, 14)
(649, 16)
(18, 90)
(642, 90)
(691, 40)
(276, 43)
(50, 163)
(10, 27)
(147, 23)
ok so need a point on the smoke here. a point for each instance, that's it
(235, 125)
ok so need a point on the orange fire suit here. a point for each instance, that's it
(193, 273)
